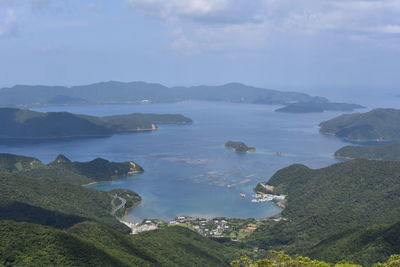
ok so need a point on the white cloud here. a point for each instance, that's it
(389, 29)
(178, 8)
(8, 24)
(205, 11)
(210, 24)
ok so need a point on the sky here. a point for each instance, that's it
(281, 44)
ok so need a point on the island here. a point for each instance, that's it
(239, 147)
(28, 124)
(376, 152)
(114, 92)
(375, 125)
(318, 106)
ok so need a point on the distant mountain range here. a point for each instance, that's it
(141, 92)
(28, 124)
(376, 125)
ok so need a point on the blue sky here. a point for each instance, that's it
(281, 44)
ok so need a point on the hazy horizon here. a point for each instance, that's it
(303, 46)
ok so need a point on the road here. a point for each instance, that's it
(122, 205)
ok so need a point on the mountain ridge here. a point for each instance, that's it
(114, 92)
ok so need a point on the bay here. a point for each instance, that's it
(187, 169)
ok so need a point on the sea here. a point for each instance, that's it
(188, 171)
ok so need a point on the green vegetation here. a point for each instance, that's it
(371, 243)
(13, 163)
(64, 170)
(314, 106)
(328, 216)
(45, 194)
(55, 204)
(382, 152)
(280, 259)
(376, 125)
(221, 228)
(132, 200)
(96, 170)
(239, 147)
(393, 261)
(333, 201)
(47, 222)
(129, 122)
(140, 92)
(92, 244)
(27, 124)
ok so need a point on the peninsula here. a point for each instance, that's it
(318, 106)
(389, 152)
(375, 125)
(327, 213)
(28, 124)
(63, 169)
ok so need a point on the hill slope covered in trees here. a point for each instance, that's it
(331, 201)
(92, 244)
(381, 152)
(64, 170)
(55, 204)
(378, 124)
(28, 124)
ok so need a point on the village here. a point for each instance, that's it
(221, 227)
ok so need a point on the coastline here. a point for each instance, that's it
(278, 200)
(343, 157)
(76, 136)
(358, 140)
(110, 181)
(127, 210)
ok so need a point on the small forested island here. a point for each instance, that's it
(389, 152)
(376, 125)
(239, 147)
(318, 106)
(28, 124)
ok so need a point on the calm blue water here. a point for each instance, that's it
(187, 169)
